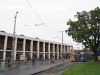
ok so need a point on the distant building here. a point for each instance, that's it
(77, 51)
(33, 47)
(80, 51)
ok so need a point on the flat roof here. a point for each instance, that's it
(31, 38)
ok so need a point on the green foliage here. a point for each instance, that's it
(86, 29)
(91, 68)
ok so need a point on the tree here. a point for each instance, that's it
(86, 29)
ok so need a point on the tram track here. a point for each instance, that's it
(57, 69)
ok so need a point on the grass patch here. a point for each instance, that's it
(91, 68)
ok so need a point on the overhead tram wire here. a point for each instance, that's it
(52, 31)
(34, 11)
(41, 19)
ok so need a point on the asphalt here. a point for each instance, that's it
(27, 68)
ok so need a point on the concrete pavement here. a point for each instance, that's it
(28, 68)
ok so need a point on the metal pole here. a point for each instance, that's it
(13, 42)
(62, 46)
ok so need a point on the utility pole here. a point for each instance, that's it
(13, 41)
(62, 46)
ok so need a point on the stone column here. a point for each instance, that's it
(54, 50)
(31, 48)
(38, 43)
(60, 51)
(65, 49)
(24, 44)
(57, 51)
(43, 50)
(15, 47)
(70, 49)
(48, 50)
(5, 47)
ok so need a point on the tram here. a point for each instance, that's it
(98, 52)
(75, 57)
(86, 56)
(83, 57)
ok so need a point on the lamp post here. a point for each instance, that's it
(13, 42)
(62, 46)
(36, 24)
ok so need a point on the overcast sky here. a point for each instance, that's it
(53, 13)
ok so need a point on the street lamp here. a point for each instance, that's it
(36, 24)
(39, 24)
(13, 42)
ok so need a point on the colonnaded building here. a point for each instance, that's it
(36, 47)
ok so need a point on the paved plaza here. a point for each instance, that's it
(29, 68)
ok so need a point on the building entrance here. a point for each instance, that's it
(1, 55)
(8, 54)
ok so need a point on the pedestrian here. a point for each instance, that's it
(8, 59)
(28, 58)
(33, 60)
(52, 60)
(42, 60)
(25, 59)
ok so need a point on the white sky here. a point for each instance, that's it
(54, 13)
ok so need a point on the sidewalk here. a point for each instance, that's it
(29, 68)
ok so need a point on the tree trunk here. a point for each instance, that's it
(95, 49)
(95, 55)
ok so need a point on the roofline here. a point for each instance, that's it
(31, 38)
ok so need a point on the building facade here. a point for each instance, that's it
(33, 47)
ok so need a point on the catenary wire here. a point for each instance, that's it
(42, 20)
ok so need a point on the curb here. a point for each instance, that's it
(48, 68)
